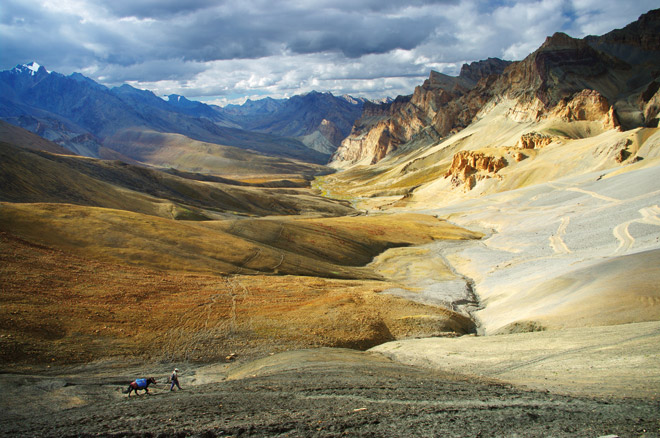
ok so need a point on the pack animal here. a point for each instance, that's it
(138, 384)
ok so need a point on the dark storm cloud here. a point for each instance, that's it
(265, 47)
(156, 8)
(358, 35)
(223, 33)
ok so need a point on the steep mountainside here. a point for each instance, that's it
(28, 140)
(441, 105)
(319, 120)
(82, 115)
(619, 71)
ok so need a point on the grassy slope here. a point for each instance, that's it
(331, 248)
(35, 176)
(93, 266)
(82, 283)
(29, 140)
(180, 152)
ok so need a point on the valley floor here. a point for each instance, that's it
(564, 283)
(321, 392)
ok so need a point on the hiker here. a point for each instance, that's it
(174, 378)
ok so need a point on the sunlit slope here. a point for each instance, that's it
(494, 154)
(579, 251)
(333, 248)
(83, 283)
(183, 153)
(35, 176)
(345, 240)
(620, 361)
(572, 211)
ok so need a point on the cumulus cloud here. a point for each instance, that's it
(224, 50)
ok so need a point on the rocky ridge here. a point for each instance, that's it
(467, 167)
(611, 80)
(436, 108)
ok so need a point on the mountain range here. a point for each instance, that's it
(502, 223)
(620, 70)
(93, 120)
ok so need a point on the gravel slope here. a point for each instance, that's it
(322, 393)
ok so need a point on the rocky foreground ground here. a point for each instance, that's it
(320, 392)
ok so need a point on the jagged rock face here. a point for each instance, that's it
(468, 167)
(642, 34)
(534, 140)
(481, 69)
(380, 130)
(441, 105)
(560, 68)
(592, 79)
(587, 105)
(650, 103)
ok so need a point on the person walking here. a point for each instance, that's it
(174, 378)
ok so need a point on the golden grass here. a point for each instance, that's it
(183, 153)
(32, 176)
(59, 307)
(328, 247)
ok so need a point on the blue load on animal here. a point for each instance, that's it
(137, 384)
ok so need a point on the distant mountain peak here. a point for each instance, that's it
(31, 68)
(353, 100)
(560, 40)
(480, 69)
(174, 98)
(179, 99)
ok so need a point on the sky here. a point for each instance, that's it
(227, 51)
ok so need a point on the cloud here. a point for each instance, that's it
(595, 17)
(215, 50)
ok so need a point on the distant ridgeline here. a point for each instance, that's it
(618, 71)
(92, 120)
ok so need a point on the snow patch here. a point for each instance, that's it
(33, 66)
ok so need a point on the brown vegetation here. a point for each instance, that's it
(60, 307)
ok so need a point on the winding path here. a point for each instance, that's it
(649, 215)
(557, 239)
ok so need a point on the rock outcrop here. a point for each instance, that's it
(649, 101)
(469, 167)
(587, 105)
(535, 140)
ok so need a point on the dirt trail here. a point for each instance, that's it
(321, 393)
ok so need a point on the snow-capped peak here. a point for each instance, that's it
(31, 68)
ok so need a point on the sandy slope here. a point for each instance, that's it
(577, 251)
(617, 360)
(573, 230)
(572, 247)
